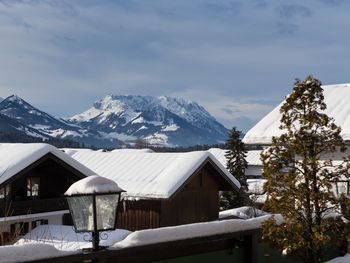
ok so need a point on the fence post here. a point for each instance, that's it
(251, 248)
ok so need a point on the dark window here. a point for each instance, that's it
(19, 228)
(67, 220)
(4, 192)
(33, 185)
(25, 228)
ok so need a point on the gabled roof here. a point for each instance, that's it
(253, 156)
(14, 157)
(149, 175)
(337, 99)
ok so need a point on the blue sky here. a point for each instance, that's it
(236, 58)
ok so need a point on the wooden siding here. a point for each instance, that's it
(198, 201)
(137, 215)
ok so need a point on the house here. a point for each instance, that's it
(163, 189)
(33, 179)
(254, 169)
(336, 98)
(253, 172)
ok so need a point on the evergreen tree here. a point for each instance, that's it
(236, 165)
(300, 175)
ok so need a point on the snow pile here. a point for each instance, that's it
(65, 238)
(93, 184)
(17, 156)
(244, 212)
(23, 253)
(256, 186)
(149, 175)
(166, 234)
(345, 259)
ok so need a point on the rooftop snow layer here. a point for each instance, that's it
(148, 175)
(338, 106)
(253, 157)
(17, 156)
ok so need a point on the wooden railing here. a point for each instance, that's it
(15, 208)
(244, 241)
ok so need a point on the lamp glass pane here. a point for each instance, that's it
(106, 211)
(81, 208)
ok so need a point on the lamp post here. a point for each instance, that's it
(93, 204)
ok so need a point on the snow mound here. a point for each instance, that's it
(66, 239)
(244, 212)
(166, 234)
(93, 184)
(24, 253)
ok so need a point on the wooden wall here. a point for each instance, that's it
(137, 215)
(197, 201)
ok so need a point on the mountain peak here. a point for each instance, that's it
(15, 98)
(164, 120)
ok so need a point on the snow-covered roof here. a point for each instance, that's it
(17, 156)
(252, 158)
(149, 175)
(338, 106)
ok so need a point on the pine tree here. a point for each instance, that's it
(236, 165)
(300, 175)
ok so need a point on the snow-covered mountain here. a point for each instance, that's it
(163, 121)
(116, 120)
(18, 109)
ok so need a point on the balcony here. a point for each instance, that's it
(15, 208)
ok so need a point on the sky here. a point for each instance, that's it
(238, 58)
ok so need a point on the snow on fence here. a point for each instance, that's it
(37, 248)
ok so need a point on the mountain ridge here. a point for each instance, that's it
(123, 119)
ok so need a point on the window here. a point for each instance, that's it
(20, 228)
(39, 222)
(341, 187)
(33, 184)
(4, 192)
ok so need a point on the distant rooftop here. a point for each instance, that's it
(337, 99)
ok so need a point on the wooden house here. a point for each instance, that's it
(162, 189)
(33, 179)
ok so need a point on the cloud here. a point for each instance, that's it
(293, 11)
(237, 58)
(333, 2)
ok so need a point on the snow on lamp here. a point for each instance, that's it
(93, 203)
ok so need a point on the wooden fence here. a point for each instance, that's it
(241, 245)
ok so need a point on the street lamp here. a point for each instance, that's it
(93, 203)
